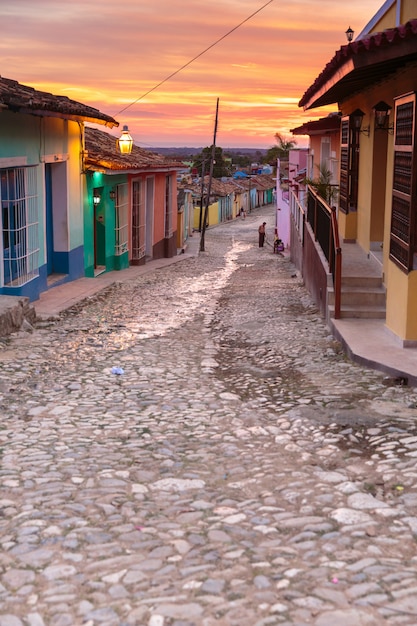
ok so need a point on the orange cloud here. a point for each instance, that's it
(109, 54)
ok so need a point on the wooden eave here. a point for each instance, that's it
(23, 99)
(67, 116)
(362, 63)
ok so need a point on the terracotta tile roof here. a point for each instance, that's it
(221, 188)
(23, 99)
(328, 124)
(263, 182)
(102, 153)
(361, 63)
(218, 187)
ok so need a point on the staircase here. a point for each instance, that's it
(363, 291)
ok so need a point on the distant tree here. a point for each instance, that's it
(220, 168)
(281, 150)
(240, 160)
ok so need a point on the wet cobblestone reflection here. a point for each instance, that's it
(236, 469)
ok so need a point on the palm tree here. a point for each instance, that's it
(281, 150)
(322, 185)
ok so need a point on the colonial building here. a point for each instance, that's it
(41, 191)
(373, 81)
(130, 205)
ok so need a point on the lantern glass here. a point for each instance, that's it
(381, 112)
(125, 142)
(357, 117)
(349, 34)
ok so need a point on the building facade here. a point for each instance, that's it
(130, 205)
(373, 80)
(41, 192)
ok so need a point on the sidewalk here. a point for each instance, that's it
(366, 342)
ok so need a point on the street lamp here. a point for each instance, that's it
(349, 34)
(356, 120)
(125, 141)
(382, 111)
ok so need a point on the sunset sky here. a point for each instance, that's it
(108, 54)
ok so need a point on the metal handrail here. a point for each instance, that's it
(298, 212)
(337, 275)
(323, 220)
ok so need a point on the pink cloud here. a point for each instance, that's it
(109, 54)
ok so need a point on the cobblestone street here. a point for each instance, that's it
(235, 469)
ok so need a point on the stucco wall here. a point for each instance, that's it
(405, 9)
(314, 272)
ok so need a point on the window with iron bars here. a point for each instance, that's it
(20, 224)
(168, 207)
(121, 219)
(138, 221)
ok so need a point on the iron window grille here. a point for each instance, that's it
(121, 219)
(20, 225)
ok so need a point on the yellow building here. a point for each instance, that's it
(373, 80)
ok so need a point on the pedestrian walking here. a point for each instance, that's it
(261, 231)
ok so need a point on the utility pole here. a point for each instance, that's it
(203, 173)
(213, 154)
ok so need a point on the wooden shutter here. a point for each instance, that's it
(344, 166)
(349, 167)
(403, 237)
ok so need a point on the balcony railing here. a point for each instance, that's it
(323, 221)
(298, 213)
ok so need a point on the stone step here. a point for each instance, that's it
(358, 312)
(362, 281)
(365, 296)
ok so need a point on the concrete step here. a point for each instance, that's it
(363, 296)
(362, 281)
(358, 312)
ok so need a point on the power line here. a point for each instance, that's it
(194, 59)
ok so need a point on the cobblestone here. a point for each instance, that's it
(240, 471)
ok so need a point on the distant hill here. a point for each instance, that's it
(183, 153)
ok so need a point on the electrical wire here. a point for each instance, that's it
(194, 59)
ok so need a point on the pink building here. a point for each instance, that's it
(297, 164)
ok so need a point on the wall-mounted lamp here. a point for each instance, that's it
(112, 194)
(349, 34)
(356, 120)
(125, 141)
(382, 112)
(96, 198)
